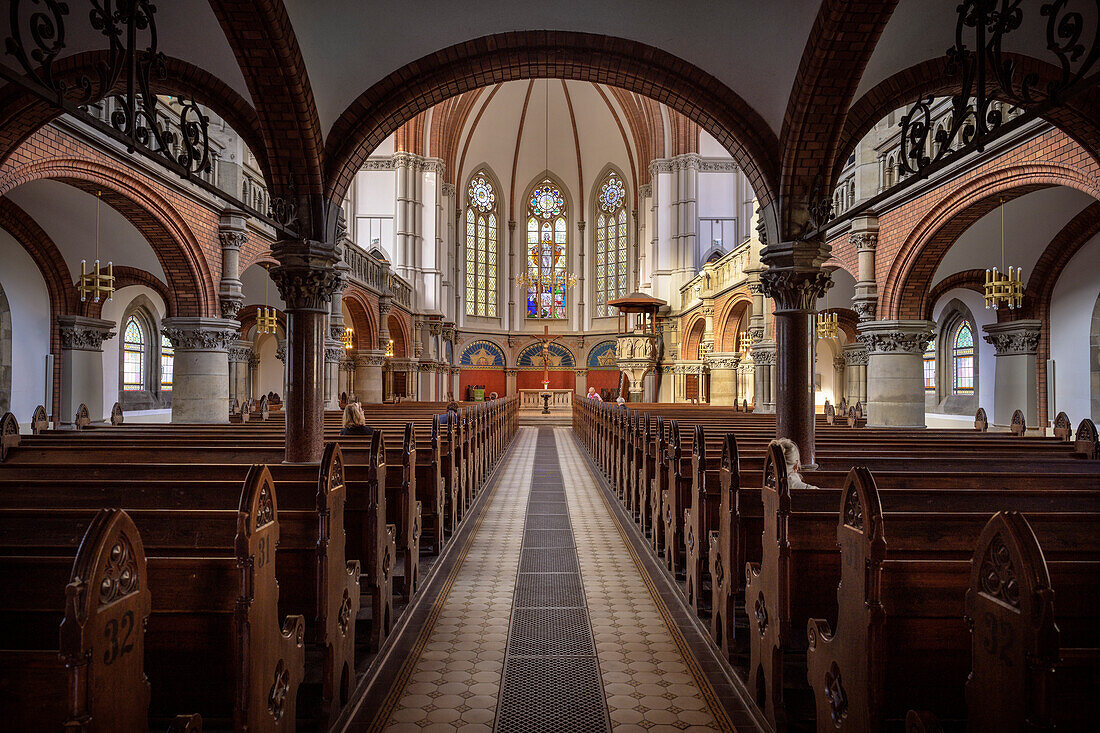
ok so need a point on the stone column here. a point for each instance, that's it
(253, 382)
(368, 376)
(895, 371)
(509, 382)
(763, 360)
(200, 383)
(240, 353)
(347, 375)
(581, 382)
(456, 382)
(334, 352)
(723, 378)
(864, 237)
(334, 345)
(583, 321)
(855, 361)
(232, 233)
(839, 379)
(306, 280)
(795, 281)
(1015, 385)
(385, 303)
(82, 366)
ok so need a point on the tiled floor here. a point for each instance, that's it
(456, 681)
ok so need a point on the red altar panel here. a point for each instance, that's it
(493, 379)
(558, 379)
(603, 379)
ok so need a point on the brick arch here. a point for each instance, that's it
(489, 60)
(841, 41)
(1078, 118)
(695, 329)
(363, 322)
(22, 113)
(737, 310)
(969, 279)
(126, 276)
(163, 227)
(905, 294)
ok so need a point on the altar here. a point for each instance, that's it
(531, 403)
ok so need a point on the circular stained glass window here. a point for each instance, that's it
(547, 200)
(612, 194)
(481, 193)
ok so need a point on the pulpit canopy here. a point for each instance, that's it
(642, 304)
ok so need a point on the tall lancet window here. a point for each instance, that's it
(962, 354)
(481, 247)
(133, 356)
(611, 247)
(547, 240)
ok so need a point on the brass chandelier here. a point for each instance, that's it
(827, 323)
(346, 338)
(1005, 287)
(97, 282)
(267, 320)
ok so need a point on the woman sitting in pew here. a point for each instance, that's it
(450, 415)
(354, 421)
(793, 459)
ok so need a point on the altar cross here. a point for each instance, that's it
(546, 338)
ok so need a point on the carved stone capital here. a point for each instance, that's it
(79, 333)
(232, 238)
(280, 352)
(201, 334)
(896, 337)
(371, 358)
(795, 289)
(448, 190)
(511, 372)
(863, 240)
(855, 355)
(240, 352)
(763, 354)
(333, 353)
(435, 328)
(1013, 337)
(755, 288)
(306, 276)
(865, 307)
(756, 333)
(839, 363)
(724, 361)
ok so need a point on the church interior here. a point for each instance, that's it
(633, 366)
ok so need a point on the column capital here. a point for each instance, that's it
(794, 288)
(865, 307)
(763, 353)
(334, 351)
(201, 334)
(896, 337)
(306, 276)
(280, 352)
(863, 240)
(240, 352)
(724, 360)
(371, 358)
(855, 355)
(80, 333)
(1014, 337)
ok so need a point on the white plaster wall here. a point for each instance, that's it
(1071, 309)
(258, 288)
(986, 353)
(113, 311)
(74, 233)
(826, 351)
(375, 195)
(269, 373)
(711, 148)
(30, 328)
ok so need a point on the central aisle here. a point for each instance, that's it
(567, 652)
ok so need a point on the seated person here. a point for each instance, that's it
(354, 421)
(620, 401)
(450, 415)
(594, 395)
(793, 459)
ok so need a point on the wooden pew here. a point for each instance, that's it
(91, 675)
(213, 587)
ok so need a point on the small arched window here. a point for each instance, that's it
(962, 360)
(167, 359)
(481, 247)
(611, 246)
(930, 367)
(133, 355)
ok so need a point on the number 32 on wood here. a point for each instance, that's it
(118, 632)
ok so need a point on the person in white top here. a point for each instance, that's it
(793, 460)
(594, 395)
(620, 401)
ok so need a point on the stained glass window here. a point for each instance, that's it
(930, 368)
(547, 240)
(611, 246)
(481, 247)
(963, 358)
(133, 356)
(167, 362)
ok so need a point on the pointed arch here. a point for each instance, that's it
(612, 238)
(481, 226)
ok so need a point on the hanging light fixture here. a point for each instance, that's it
(744, 338)
(389, 349)
(347, 338)
(827, 323)
(97, 283)
(1004, 287)
(267, 320)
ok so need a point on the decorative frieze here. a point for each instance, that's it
(79, 333)
(855, 357)
(1013, 337)
(896, 337)
(645, 191)
(201, 334)
(724, 361)
(371, 358)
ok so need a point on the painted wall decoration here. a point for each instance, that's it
(602, 356)
(482, 354)
(560, 357)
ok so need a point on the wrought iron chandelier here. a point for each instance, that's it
(98, 283)
(347, 339)
(1004, 287)
(267, 320)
